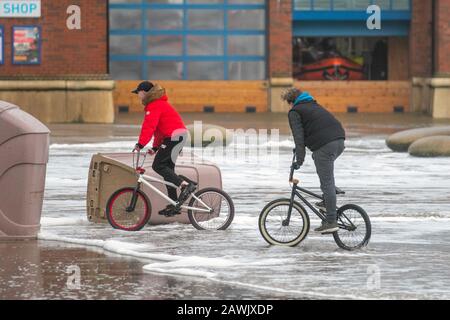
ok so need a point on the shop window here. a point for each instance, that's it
(205, 45)
(128, 45)
(165, 70)
(126, 70)
(350, 5)
(205, 19)
(246, 1)
(344, 58)
(188, 39)
(246, 19)
(124, 1)
(165, 19)
(164, 45)
(246, 70)
(125, 20)
(246, 45)
(203, 1)
(162, 1)
(197, 70)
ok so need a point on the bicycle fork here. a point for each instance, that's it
(286, 222)
(134, 198)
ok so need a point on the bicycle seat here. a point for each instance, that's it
(339, 191)
(188, 180)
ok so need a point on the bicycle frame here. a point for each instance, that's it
(296, 191)
(143, 179)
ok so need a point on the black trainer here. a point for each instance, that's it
(186, 191)
(169, 211)
(327, 227)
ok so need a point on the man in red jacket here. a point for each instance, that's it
(164, 124)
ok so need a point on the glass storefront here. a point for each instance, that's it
(330, 5)
(342, 58)
(331, 40)
(188, 39)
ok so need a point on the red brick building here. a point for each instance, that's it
(64, 53)
(61, 74)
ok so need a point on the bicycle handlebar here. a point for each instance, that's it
(137, 158)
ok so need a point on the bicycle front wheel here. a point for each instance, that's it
(274, 227)
(120, 217)
(355, 228)
(222, 207)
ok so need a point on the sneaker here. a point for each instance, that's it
(186, 191)
(169, 211)
(327, 227)
(321, 206)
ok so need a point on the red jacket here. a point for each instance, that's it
(161, 121)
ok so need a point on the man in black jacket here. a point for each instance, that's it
(314, 127)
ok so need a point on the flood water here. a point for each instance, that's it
(407, 199)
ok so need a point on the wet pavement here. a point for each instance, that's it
(46, 270)
(407, 199)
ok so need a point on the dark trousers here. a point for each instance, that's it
(164, 163)
(324, 160)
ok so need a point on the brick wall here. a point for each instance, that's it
(194, 96)
(442, 45)
(280, 38)
(420, 40)
(398, 58)
(366, 96)
(63, 52)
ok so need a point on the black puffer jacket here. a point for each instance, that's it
(313, 126)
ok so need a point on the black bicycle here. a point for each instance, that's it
(285, 222)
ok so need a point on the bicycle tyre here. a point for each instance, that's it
(343, 216)
(270, 238)
(113, 207)
(194, 217)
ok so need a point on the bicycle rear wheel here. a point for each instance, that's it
(116, 210)
(221, 204)
(355, 228)
(272, 223)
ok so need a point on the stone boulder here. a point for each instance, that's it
(437, 146)
(401, 141)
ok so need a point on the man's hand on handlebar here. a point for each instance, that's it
(152, 151)
(296, 166)
(137, 148)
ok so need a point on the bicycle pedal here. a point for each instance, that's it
(171, 215)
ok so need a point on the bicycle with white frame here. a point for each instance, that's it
(130, 209)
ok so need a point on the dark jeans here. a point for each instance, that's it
(324, 160)
(164, 163)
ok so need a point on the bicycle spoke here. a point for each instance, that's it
(353, 230)
(124, 219)
(221, 211)
(274, 224)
